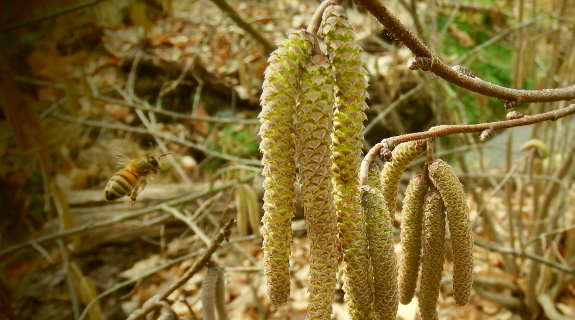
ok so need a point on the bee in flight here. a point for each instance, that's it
(131, 180)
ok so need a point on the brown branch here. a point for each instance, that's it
(50, 15)
(404, 35)
(429, 158)
(562, 267)
(445, 130)
(315, 22)
(505, 301)
(366, 162)
(152, 303)
(549, 308)
(225, 7)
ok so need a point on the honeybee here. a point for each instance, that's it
(131, 180)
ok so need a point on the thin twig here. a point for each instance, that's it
(429, 158)
(164, 112)
(491, 41)
(179, 215)
(366, 163)
(225, 7)
(404, 35)
(176, 114)
(505, 301)
(491, 282)
(183, 300)
(131, 96)
(122, 217)
(373, 122)
(553, 264)
(549, 308)
(159, 134)
(191, 62)
(50, 15)
(223, 234)
(445, 130)
(315, 21)
(144, 275)
(549, 233)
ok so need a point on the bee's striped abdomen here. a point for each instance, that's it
(121, 184)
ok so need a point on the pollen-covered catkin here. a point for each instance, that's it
(433, 255)
(411, 227)
(402, 155)
(379, 227)
(457, 211)
(278, 100)
(313, 155)
(350, 94)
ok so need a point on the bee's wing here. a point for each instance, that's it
(122, 159)
(117, 149)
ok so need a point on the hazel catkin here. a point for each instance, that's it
(280, 89)
(379, 229)
(411, 227)
(349, 114)
(459, 223)
(432, 255)
(402, 155)
(313, 155)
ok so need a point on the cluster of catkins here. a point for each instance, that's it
(427, 204)
(313, 108)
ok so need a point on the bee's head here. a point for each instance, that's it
(154, 162)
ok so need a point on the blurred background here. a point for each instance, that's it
(82, 82)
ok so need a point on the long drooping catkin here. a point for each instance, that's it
(402, 155)
(411, 227)
(213, 294)
(350, 94)
(379, 229)
(313, 155)
(278, 100)
(455, 203)
(433, 255)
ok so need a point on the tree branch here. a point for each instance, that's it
(152, 303)
(445, 130)
(404, 35)
(225, 7)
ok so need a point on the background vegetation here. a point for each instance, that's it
(82, 81)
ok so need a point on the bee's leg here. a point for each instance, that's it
(136, 191)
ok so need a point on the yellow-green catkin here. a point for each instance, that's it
(433, 254)
(411, 227)
(349, 114)
(313, 155)
(402, 155)
(278, 100)
(379, 229)
(459, 223)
